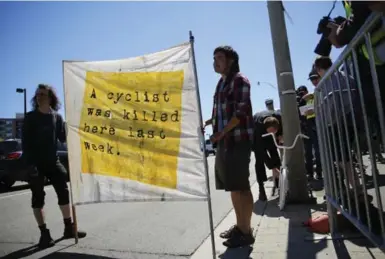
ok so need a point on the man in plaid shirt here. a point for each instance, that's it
(232, 123)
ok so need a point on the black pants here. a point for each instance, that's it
(55, 172)
(310, 145)
(265, 153)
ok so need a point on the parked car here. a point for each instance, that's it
(13, 166)
(209, 148)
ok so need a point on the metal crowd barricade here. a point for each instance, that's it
(342, 125)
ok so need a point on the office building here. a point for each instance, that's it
(11, 127)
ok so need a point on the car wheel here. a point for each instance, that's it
(8, 182)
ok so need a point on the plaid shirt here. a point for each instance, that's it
(234, 100)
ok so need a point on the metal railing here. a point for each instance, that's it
(349, 108)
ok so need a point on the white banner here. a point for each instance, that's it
(133, 129)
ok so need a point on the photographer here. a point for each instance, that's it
(314, 77)
(310, 130)
(339, 33)
(337, 107)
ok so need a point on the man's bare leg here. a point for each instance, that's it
(243, 206)
(45, 238)
(69, 231)
(65, 211)
(235, 198)
(243, 203)
(247, 211)
(235, 201)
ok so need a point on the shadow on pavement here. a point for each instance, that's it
(276, 213)
(300, 239)
(27, 251)
(244, 252)
(65, 255)
(370, 181)
(297, 244)
(259, 207)
(20, 187)
(15, 188)
(297, 233)
(24, 252)
(237, 253)
(375, 215)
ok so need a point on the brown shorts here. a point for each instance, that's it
(232, 167)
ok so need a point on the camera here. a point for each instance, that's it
(299, 98)
(324, 47)
(300, 93)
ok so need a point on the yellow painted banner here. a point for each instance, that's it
(130, 126)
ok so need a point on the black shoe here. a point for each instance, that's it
(69, 232)
(275, 187)
(240, 239)
(381, 159)
(262, 194)
(229, 233)
(45, 240)
(273, 191)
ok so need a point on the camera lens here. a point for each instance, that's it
(324, 47)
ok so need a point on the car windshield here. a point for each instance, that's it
(9, 146)
(208, 142)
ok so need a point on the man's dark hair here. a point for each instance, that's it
(269, 101)
(313, 73)
(55, 103)
(323, 63)
(271, 122)
(230, 53)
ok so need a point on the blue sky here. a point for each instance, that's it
(36, 36)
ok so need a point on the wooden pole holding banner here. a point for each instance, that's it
(204, 148)
(74, 216)
(73, 208)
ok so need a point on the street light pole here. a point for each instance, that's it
(298, 190)
(24, 91)
(25, 102)
(267, 83)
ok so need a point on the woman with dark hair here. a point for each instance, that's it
(42, 128)
(50, 91)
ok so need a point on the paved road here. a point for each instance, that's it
(172, 230)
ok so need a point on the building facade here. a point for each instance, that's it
(10, 128)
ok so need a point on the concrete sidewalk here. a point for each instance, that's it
(282, 235)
